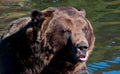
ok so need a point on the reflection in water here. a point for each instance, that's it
(99, 65)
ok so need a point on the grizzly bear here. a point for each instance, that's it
(52, 41)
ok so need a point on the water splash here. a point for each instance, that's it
(99, 65)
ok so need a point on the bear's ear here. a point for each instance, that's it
(82, 12)
(37, 16)
(49, 11)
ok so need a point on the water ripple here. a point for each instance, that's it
(106, 63)
(112, 72)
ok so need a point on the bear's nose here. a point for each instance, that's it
(82, 46)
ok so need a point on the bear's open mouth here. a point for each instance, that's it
(82, 58)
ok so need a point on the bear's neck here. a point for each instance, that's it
(64, 68)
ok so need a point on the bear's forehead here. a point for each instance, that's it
(68, 11)
(67, 18)
(68, 22)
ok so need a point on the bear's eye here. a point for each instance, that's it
(65, 31)
(65, 34)
(85, 30)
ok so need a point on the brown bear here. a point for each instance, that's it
(53, 41)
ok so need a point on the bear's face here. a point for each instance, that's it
(67, 37)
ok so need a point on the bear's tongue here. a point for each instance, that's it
(82, 58)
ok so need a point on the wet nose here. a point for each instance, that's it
(82, 46)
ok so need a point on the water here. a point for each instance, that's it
(112, 72)
(96, 66)
(105, 59)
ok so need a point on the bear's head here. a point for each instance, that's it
(68, 36)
